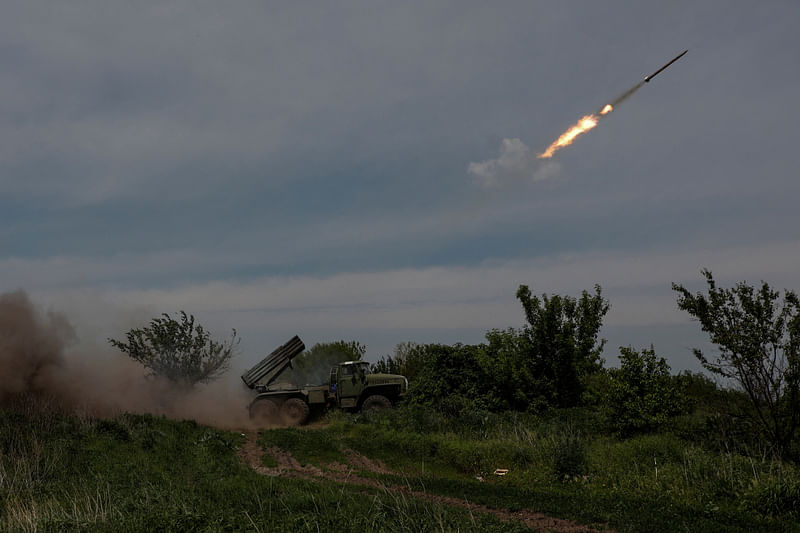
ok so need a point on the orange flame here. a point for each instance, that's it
(584, 124)
(607, 109)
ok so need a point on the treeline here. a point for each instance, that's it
(554, 362)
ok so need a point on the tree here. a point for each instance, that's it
(641, 393)
(758, 337)
(314, 365)
(408, 360)
(452, 380)
(179, 350)
(563, 345)
(510, 376)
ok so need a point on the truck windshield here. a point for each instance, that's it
(350, 369)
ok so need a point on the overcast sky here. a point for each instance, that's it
(367, 170)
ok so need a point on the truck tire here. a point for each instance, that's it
(376, 403)
(264, 412)
(294, 412)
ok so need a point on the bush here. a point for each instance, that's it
(453, 381)
(569, 454)
(641, 395)
(408, 360)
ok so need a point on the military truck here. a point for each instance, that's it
(351, 386)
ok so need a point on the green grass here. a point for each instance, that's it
(307, 446)
(146, 473)
(143, 473)
(565, 468)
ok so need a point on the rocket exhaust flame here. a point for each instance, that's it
(590, 121)
(586, 123)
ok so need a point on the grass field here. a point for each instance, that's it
(655, 482)
(144, 473)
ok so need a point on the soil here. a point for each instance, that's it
(348, 473)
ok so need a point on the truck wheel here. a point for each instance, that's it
(294, 412)
(264, 412)
(376, 403)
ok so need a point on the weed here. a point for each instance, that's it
(774, 497)
(569, 454)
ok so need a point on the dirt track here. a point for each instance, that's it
(288, 466)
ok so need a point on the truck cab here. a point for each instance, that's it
(353, 386)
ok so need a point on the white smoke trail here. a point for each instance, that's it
(515, 162)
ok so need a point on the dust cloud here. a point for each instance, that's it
(40, 358)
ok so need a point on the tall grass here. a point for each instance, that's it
(565, 465)
(144, 473)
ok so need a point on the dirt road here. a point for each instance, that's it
(348, 473)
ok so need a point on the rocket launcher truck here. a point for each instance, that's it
(352, 386)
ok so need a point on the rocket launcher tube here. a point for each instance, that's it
(269, 368)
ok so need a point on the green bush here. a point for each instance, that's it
(569, 454)
(641, 395)
(453, 381)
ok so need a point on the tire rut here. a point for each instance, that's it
(347, 474)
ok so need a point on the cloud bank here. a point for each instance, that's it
(429, 304)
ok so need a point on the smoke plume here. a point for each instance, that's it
(40, 357)
(515, 162)
(31, 346)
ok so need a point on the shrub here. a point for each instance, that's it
(569, 454)
(453, 381)
(641, 395)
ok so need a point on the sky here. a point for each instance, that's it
(366, 170)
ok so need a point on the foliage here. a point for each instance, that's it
(545, 364)
(314, 365)
(452, 379)
(179, 350)
(758, 336)
(700, 391)
(641, 394)
(408, 360)
(569, 454)
(562, 348)
(714, 417)
(774, 497)
(462, 378)
(510, 376)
